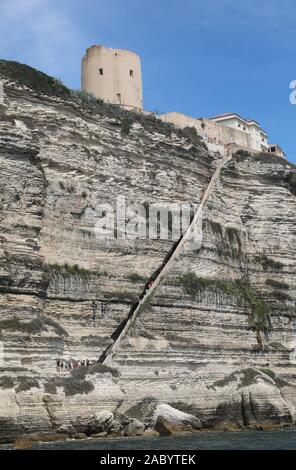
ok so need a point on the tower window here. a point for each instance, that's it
(101, 71)
(118, 96)
(131, 73)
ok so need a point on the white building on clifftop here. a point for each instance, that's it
(257, 137)
(227, 133)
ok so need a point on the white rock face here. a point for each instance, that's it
(1, 93)
(207, 346)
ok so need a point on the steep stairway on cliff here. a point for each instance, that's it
(122, 330)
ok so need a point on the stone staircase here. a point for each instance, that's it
(107, 357)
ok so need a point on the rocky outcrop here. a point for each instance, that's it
(134, 428)
(216, 341)
(169, 420)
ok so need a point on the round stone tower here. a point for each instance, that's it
(113, 75)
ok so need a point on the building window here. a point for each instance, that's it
(131, 73)
(118, 97)
(239, 125)
(101, 71)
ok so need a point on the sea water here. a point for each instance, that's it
(248, 440)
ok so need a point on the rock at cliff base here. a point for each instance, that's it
(169, 420)
(99, 422)
(67, 429)
(134, 428)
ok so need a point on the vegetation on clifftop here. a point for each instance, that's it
(50, 86)
(32, 78)
(126, 126)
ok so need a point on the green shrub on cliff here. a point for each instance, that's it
(269, 263)
(73, 386)
(126, 126)
(97, 368)
(35, 326)
(241, 378)
(135, 277)
(26, 383)
(246, 377)
(259, 308)
(278, 380)
(6, 382)
(50, 387)
(292, 182)
(67, 271)
(282, 296)
(277, 284)
(89, 100)
(240, 289)
(193, 284)
(191, 133)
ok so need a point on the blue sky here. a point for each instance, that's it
(200, 57)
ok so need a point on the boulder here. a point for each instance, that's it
(165, 428)
(99, 422)
(134, 428)
(79, 436)
(149, 432)
(67, 429)
(117, 427)
(169, 420)
(99, 435)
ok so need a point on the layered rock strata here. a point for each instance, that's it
(217, 341)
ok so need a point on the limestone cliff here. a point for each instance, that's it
(216, 341)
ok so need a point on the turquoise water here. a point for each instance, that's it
(250, 440)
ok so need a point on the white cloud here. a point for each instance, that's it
(38, 32)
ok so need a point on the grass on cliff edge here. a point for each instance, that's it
(263, 157)
(44, 84)
(240, 289)
(68, 271)
(32, 78)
